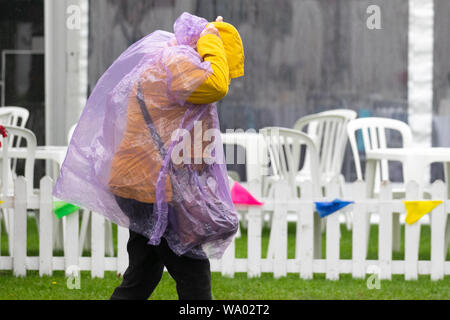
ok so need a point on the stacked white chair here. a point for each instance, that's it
(7, 182)
(329, 132)
(16, 117)
(284, 147)
(328, 129)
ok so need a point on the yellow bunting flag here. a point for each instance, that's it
(417, 209)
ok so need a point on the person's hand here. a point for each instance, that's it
(211, 29)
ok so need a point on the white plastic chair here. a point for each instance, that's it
(7, 174)
(328, 131)
(16, 117)
(4, 118)
(347, 113)
(284, 148)
(283, 145)
(373, 131)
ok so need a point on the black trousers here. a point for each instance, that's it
(146, 266)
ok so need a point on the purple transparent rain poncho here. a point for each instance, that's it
(192, 207)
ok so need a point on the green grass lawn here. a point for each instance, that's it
(240, 287)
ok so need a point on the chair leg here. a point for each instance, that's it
(317, 236)
(88, 241)
(58, 235)
(5, 215)
(238, 233)
(348, 214)
(272, 237)
(269, 221)
(348, 220)
(36, 217)
(323, 225)
(64, 223)
(396, 232)
(244, 220)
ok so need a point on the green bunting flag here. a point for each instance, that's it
(61, 208)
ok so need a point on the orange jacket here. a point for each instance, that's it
(137, 162)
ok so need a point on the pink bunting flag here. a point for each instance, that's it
(240, 195)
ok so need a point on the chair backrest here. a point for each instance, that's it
(284, 148)
(6, 156)
(347, 113)
(5, 117)
(328, 131)
(17, 116)
(373, 131)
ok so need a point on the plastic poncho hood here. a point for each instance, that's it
(125, 149)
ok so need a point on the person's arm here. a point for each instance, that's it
(210, 48)
(187, 75)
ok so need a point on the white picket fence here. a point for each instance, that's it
(307, 259)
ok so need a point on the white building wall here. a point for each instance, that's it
(66, 49)
(420, 70)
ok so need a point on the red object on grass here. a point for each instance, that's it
(240, 195)
(3, 132)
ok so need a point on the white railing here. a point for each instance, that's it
(307, 259)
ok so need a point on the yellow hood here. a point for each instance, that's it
(233, 48)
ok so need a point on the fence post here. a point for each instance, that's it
(359, 229)
(305, 231)
(412, 236)
(279, 227)
(71, 251)
(332, 235)
(385, 231)
(98, 245)
(438, 223)
(254, 233)
(122, 255)
(46, 227)
(19, 233)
